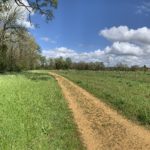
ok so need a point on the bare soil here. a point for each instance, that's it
(100, 127)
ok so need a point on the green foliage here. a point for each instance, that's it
(59, 63)
(34, 114)
(21, 55)
(67, 63)
(21, 52)
(128, 92)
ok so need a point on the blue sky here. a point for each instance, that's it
(77, 23)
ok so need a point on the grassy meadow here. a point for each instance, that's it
(128, 92)
(34, 115)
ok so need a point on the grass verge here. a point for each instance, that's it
(34, 114)
(128, 92)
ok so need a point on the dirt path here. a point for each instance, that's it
(101, 128)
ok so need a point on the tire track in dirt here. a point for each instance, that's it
(101, 128)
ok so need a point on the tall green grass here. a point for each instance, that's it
(128, 92)
(34, 114)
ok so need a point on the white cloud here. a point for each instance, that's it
(27, 24)
(129, 46)
(74, 55)
(47, 39)
(124, 48)
(25, 16)
(124, 34)
(144, 8)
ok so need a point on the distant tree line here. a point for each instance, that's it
(125, 67)
(67, 63)
(61, 63)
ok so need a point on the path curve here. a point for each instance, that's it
(101, 128)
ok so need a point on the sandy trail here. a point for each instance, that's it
(101, 128)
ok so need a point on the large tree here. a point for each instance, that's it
(9, 29)
(18, 49)
(23, 54)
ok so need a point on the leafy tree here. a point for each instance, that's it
(99, 66)
(121, 67)
(145, 68)
(43, 7)
(43, 61)
(68, 63)
(51, 63)
(135, 68)
(60, 63)
(9, 29)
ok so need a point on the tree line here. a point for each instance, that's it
(67, 63)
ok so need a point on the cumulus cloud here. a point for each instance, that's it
(129, 46)
(124, 48)
(73, 54)
(124, 34)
